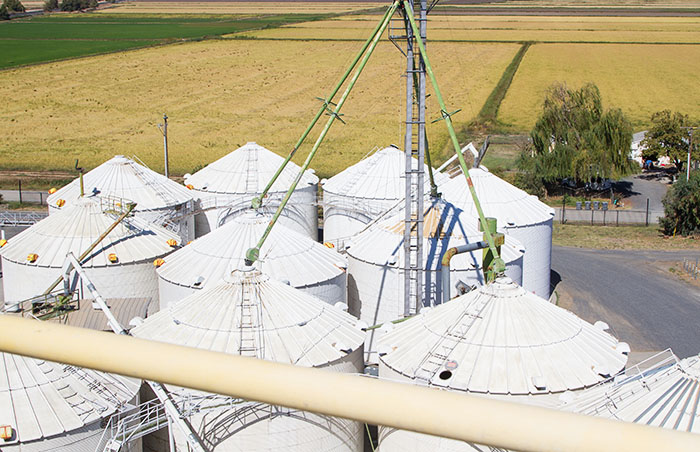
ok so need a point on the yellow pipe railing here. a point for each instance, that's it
(464, 417)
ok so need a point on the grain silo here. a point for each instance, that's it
(46, 406)
(500, 341)
(519, 215)
(159, 199)
(250, 314)
(120, 266)
(286, 255)
(362, 192)
(227, 186)
(376, 265)
(662, 391)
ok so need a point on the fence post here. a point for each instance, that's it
(604, 212)
(592, 212)
(19, 189)
(646, 218)
(617, 220)
(563, 210)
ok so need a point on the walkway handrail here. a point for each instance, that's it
(465, 417)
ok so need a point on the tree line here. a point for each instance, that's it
(576, 141)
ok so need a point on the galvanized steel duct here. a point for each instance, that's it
(458, 416)
(445, 264)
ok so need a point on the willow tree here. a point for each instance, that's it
(574, 138)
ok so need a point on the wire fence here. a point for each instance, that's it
(601, 214)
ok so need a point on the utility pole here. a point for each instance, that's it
(164, 130)
(690, 149)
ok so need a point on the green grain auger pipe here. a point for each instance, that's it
(258, 200)
(253, 253)
(129, 207)
(498, 264)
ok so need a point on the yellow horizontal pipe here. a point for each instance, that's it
(459, 416)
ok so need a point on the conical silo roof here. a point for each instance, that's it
(77, 227)
(285, 255)
(501, 339)
(247, 170)
(512, 206)
(121, 177)
(250, 314)
(380, 176)
(40, 399)
(444, 226)
(663, 394)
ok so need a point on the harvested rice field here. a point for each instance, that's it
(221, 94)
(224, 7)
(509, 29)
(640, 79)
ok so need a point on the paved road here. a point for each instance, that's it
(652, 185)
(630, 290)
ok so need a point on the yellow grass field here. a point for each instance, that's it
(601, 3)
(640, 79)
(221, 94)
(238, 7)
(510, 29)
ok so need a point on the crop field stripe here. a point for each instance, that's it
(65, 56)
(456, 41)
(489, 111)
(71, 36)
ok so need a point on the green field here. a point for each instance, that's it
(59, 36)
(12, 53)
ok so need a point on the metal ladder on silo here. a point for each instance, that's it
(414, 148)
(154, 185)
(250, 325)
(251, 177)
(437, 356)
(94, 386)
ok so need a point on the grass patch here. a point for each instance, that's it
(58, 36)
(16, 205)
(618, 238)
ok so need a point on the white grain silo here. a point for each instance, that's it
(57, 407)
(159, 199)
(227, 186)
(121, 266)
(286, 256)
(519, 215)
(376, 264)
(250, 314)
(663, 392)
(500, 341)
(362, 192)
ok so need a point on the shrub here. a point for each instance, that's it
(50, 5)
(14, 6)
(682, 207)
(4, 15)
